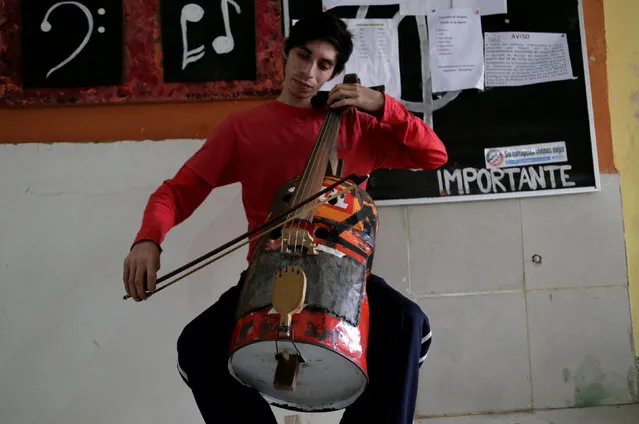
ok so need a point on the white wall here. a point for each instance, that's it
(507, 334)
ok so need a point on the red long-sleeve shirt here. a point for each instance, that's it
(263, 147)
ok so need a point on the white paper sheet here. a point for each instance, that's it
(465, 4)
(493, 7)
(422, 7)
(375, 57)
(486, 7)
(425, 7)
(329, 4)
(523, 58)
(456, 50)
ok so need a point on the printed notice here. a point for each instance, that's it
(486, 7)
(426, 7)
(523, 58)
(329, 4)
(532, 154)
(375, 57)
(493, 7)
(422, 7)
(456, 50)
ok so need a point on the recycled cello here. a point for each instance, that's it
(302, 319)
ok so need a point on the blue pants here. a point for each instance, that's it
(399, 340)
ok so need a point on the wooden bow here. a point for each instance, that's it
(268, 226)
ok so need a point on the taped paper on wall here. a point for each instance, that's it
(523, 58)
(492, 7)
(486, 7)
(329, 4)
(426, 7)
(423, 7)
(466, 4)
(531, 154)
(375, 57)
(456, 50)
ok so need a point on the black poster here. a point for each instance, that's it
(501, 141)
(71, 43)
(208, 40)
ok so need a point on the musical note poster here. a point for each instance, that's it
(217, 40)
(71, 44)
(114, 51)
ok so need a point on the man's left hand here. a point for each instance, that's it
(359, 96)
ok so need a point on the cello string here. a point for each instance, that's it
(302, 183)
(329, 145)
(325, 153)
(306, 179)
(295, 197)
(327, 132)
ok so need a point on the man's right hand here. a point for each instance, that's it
(140, 268)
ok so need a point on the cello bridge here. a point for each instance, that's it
(295, 238)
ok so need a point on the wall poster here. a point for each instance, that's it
(529, 131)
(80, 52)
(521, 126)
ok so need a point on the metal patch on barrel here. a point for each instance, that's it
(344, 232)
(341, 297)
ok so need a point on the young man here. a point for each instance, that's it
(263, 148)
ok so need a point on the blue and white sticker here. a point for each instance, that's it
(530, 154)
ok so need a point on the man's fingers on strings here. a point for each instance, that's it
(340, 92)
(344, 102)
(344, 90)
(346, 87)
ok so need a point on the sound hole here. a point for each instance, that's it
(287, 197)
(321, 233)
(275, 234)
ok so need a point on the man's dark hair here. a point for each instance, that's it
(322, 27)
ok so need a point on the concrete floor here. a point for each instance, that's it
(597, 415)
(628, 414)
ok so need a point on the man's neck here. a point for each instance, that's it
(286, 98)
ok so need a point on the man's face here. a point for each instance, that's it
(309, 67)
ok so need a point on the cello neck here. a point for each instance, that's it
(312, 177)
(314, 172)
